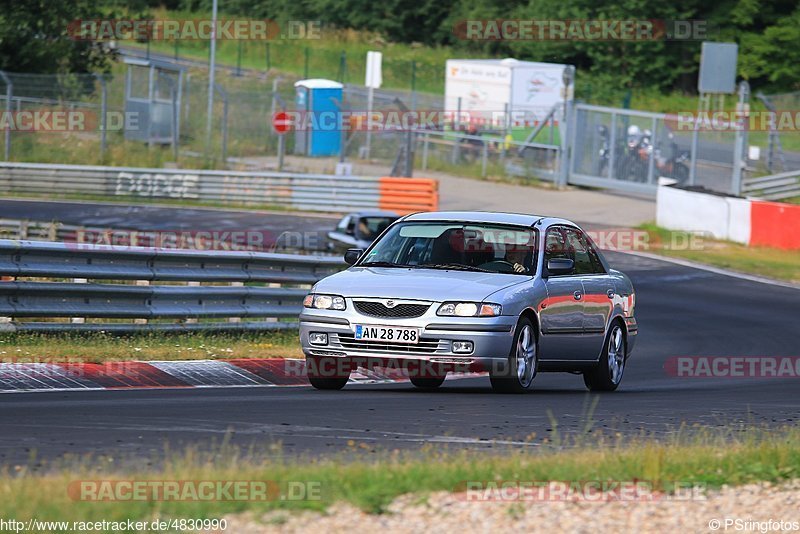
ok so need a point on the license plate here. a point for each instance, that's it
(388, 334)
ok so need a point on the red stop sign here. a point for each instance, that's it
(281, 122)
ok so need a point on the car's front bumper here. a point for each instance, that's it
(492, 338)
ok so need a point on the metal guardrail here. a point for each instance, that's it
(276, 285)
(36, 230)
(774, 186)
(311, 192)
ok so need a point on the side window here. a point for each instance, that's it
(555, 245)
(586, 259)
(597, 265)
(343, 224)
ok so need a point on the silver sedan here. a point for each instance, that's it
(437, 292)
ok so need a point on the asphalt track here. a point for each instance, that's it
(308, 229)
(681, 312)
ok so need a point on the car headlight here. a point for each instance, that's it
(469, 309)
(324, 302)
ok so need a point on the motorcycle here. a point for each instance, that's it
(635, 163)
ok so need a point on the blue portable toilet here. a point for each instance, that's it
(322, 135)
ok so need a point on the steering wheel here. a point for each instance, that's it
(501, 266)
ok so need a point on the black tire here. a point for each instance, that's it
(681, 173)
(509, 378)
(315, 372)
(427, 382)
(607, 377)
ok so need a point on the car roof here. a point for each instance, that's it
(518, 219)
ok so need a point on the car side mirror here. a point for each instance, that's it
(352, 255)
(560, 266)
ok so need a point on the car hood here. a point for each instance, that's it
(416, 284)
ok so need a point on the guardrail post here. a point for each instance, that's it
(141, 283)
(192, 320)
(78, 320)
(6, 320)
(235, 319)
(271, 319)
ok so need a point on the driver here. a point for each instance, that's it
(364, 231)
(516, 256)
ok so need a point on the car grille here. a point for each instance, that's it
(378, 309)
(425, 345)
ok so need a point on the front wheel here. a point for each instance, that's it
(326, 373)
(608, 373)
(681, 173)
(518, 374)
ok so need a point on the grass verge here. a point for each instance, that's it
(97, 347)
(761, 261)
(708, 459)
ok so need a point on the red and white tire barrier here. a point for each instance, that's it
(19, 377)
(743, 220)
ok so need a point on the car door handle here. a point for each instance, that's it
(577, 295)
(610, 293)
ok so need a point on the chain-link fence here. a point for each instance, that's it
(174, 103)
(609, 147)
(779, 148)
(628, 149)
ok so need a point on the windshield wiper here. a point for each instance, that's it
(381, 264)
(455, 267)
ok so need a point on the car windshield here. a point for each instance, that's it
(371, 227)
(456, 246)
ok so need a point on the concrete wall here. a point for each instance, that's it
(743, 220)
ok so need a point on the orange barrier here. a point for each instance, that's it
(407, 195)
(773, 224)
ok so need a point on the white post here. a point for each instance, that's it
(373, 80)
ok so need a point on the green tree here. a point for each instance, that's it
(35, 37)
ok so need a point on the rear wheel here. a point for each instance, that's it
(523, 361)
(427, 382)
(608, 373)
(326, 373)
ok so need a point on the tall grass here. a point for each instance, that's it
(690, 457)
